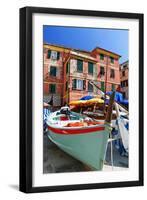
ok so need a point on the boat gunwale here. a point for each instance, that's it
(76, 130)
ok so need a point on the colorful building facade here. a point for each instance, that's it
(124, 77)
(68, 73)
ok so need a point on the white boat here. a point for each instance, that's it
(79, 136)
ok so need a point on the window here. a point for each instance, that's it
(53, 71)
(84, 84)
(49, 54)
(90, 87)
(124, 95)
(78, 84)
(123, 73)
(111, 59)
(54, 55)
(101, 56)
(112, 73)
(90, 68)
(124, 83)
(102, 71)
(103, 86)
(67, 68)
(79, 65)
(58, 55)
(74, 81)
(52, 88)
(125, 66)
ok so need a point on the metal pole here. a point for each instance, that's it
(111, 151)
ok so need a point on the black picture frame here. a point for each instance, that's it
(26, 98)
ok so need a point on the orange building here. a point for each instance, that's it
(68, 72)
(108, 69)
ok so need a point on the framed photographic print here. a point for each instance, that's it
(81, 99)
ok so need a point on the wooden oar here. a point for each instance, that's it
(108, 121)
(110, 108)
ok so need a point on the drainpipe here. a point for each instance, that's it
(105, 85)
(64, 74)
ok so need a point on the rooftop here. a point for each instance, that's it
(83, 51)
(70, 48)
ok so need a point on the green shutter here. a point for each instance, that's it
(113, 87)
(53, 71)
(67, 68)
(74, 83)
(49, 54)
(111, 59)
(52, 88)
(101, 56)
(90, 68)
(103, 86)
(84, 84)
(90, 87)
(79, 65)
(58, 55)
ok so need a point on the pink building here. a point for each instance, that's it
(124, 76)
(108, 69)
(68, 72)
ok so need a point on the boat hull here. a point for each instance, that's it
(88, 147)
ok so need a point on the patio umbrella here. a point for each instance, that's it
(77, 103)
(94, 101)
(88, 97)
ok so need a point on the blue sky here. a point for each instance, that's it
(88, 38)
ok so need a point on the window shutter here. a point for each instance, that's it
(52, 88)
(112, 73)
(113, 87)
(90, 87)
(79, 65)
(103, 86)
(67, 67)
(49, 54)
(102, 72)
(111, 59)
(84, 84)
(74, 83)
(58, 55)
(53, 71)
(101, 56)
(90, 68)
